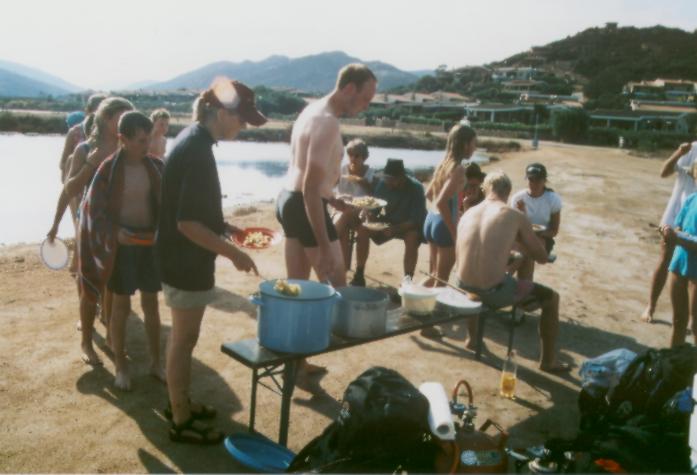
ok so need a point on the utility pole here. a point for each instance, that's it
(535, 140)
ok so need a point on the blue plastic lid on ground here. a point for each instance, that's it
(258, 453)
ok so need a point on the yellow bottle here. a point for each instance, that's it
(508, 377)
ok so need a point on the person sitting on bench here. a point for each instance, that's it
(485, 237)
(404, 215)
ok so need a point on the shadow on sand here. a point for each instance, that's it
(560, 420)
(229, 302)
(148, 398)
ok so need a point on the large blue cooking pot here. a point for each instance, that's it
(299, 324)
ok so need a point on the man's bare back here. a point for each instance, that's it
(317, 128)
(485, 237)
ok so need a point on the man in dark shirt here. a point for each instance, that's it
(190, 236)
(404, 214)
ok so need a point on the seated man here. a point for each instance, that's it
(485, 237)
(404, 214)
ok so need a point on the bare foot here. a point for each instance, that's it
(310, 368)
(89, 356)
(122, 380)
(308, 382)
(158, 373)
(556, 368)
(647, 316)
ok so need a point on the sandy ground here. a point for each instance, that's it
(59, 415)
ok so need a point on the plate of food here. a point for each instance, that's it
(376, 225)
(256, 238)
(538, 228)
(368, 202)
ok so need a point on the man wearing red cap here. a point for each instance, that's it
(190, 237)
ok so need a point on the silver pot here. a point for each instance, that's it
(360, 312)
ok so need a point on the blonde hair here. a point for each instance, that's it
(107, 109)
(355, 73)
(357, 148)
(158, 114)
(498, 183)
(458, 138)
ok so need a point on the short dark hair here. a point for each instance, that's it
(355, 73)
(132, 121)
(472, 170)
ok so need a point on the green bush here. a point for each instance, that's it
(570, 125)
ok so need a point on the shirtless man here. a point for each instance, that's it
(311, 238)
(485, 237)
(316, 144)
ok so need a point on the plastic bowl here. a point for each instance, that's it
(418, 300)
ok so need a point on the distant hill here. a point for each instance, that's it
(16, 85)
(38, 75)
(314, 73)
(602, 60)
(607, 58)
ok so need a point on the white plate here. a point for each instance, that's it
(452, 298)
(54, 255)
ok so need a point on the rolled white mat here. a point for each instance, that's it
(439, 417)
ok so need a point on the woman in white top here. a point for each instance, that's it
(680, 163)
(356, 180)
(543, 207)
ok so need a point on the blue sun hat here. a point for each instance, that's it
(74, 118)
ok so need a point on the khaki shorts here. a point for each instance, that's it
(178, 298)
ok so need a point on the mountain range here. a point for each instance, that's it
(18, 80)
(314, 73)
(601, 59)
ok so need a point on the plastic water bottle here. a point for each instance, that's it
(508, 377)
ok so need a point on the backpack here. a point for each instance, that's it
(650, 380)
(382, 427)
(640, 422)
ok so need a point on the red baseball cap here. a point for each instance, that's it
(235, 96)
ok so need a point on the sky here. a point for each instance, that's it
(99, 44)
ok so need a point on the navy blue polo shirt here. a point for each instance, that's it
(190, 192)
(406, 204)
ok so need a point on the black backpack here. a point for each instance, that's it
(650, 380)
(382, 427)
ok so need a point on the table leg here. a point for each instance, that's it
(480, 333)
(253, 400)
(289, 372)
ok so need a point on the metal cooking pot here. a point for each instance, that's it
(360, 313)
(299, 324)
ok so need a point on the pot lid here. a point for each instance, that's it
(309, 290)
